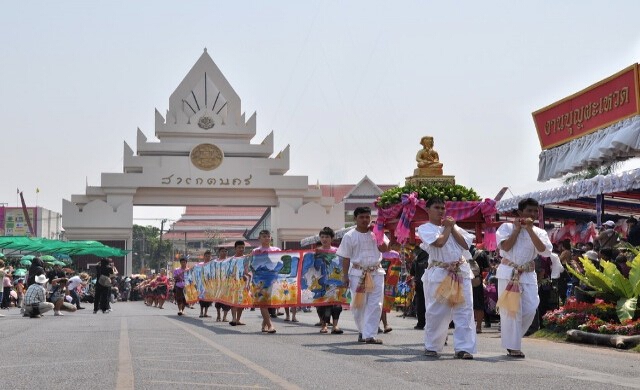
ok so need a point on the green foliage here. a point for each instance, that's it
(619, 284)
(612, 284)
(596, 279)
(147, 250)
(626, 308)
(634, 275)
(447, 192)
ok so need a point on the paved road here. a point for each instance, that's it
(146, 348)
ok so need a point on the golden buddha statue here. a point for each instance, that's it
(428, 160)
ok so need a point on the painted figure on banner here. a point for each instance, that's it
(324, 269)
(204, 295)
(241, 289)
(264, 270)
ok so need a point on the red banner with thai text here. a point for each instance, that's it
(600, 105)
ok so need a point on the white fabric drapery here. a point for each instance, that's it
(623, 181)
(613, 143)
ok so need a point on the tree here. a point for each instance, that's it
(214, 239)
(147, 251)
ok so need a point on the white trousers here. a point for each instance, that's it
(439, 315)
(368, 317)
(513, 329)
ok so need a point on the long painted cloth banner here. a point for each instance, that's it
(275, 279)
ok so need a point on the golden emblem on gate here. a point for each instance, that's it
(206, 157)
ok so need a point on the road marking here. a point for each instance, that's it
(209, 384)
(181, 354)
(125, 366)
(198, 371)
(283, 383)
(586, 375)
(166, 360)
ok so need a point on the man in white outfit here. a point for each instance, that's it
(520, 243)
(363, 275)
(447, 283)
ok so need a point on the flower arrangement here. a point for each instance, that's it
(596, 325)
(448, 192)
(575, 314)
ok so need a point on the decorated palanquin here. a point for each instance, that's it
(275, 279)
(403, 217)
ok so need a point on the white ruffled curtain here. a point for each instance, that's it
(614, 182)
(616, 142)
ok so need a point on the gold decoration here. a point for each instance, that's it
(428, 160)
(429, 171)
(206, 157)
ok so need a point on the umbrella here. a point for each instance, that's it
(48, 258)
(27, 257)
(25, 262)
(58, 262)
(20, 272)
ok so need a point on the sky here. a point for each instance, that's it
(350, 86)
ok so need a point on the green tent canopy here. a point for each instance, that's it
(67, 248)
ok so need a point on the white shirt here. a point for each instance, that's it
(361, 249)
(522, 252)
(450, 252)
(556, 266)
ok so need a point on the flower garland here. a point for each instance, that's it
(598, 317)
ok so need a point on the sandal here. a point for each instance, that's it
(324, 331)
(430, 353)
(286, 320)
(387, 330)
(272, 330)
(372, 340)
(295, 321)
(514, 353)
(232, 323)
(337, 331)
(179, 313)
(463, 355)
(240, 323)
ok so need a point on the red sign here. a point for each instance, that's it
(600, 105)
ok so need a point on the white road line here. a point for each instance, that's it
(209, 384)
(171, 360)
(197, 371)
(125, 367)
(586, 375)
(283, 383)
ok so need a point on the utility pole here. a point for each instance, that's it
(160, 243)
